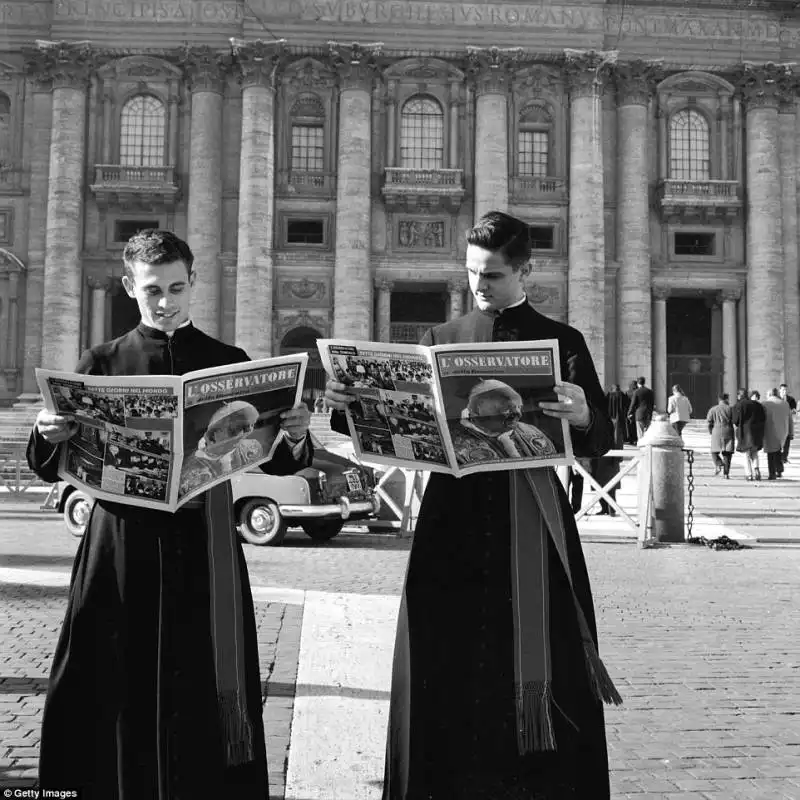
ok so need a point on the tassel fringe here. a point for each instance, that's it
(237, 730)
(602, 685)
(534, 717)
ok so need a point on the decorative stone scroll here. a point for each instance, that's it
(257, 61)
(206, 69)
(355, 63)
(635, 81)
(490, 68)
(766, 85)
(61, 64)
(587, 71)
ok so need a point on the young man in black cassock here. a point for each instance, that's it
(155, 692)
(497, 684)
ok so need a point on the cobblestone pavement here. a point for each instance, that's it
(703, 646)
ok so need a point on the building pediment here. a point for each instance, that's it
(423, 69)
(694, 83)
(138, 68)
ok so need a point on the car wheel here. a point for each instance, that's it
(323, 529)
(77, 510)
(260, 523)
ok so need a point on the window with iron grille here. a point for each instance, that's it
(534, 147)
(542, 237)
(421, 134)
(695, 244)
(142, 132)
(305, 231)
(308, 148)
(689, 149)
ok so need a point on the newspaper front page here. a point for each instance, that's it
(157, 441)
(459, 409)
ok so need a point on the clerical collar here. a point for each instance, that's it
(518, 304)
(154, 333)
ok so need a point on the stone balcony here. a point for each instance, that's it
(699, 199)
(530, 189)
(134, 187)
(321, 185)
(414, 189)
(408, 332)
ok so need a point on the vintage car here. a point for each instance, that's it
(320, 499)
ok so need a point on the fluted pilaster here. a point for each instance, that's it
(385, 287)
(730, 375)
(97, 321)
(67, 67)
(634, 83)
(490, 71)
(207, 72)
(355, 66)
(257, 63)
(586, 73)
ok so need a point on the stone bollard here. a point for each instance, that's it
(661, 506)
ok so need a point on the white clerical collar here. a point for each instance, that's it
(523, 299)
(170, 334)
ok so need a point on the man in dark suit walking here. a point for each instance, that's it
(641, 409)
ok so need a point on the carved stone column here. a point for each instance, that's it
(456, 288)
(741, 343)
(391, 123)
(490, 69)
(206, 71)
(42, 102)
(69, 67)
(587, 73)
(789, 231)
(762, 87)
(730, 374)
(257, 62)
(97, 320)
(385, 287)
(12, 318)
(355, 65)
(634, 82)
(660, 377)
(454, 143)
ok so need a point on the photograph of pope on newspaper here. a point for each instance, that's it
(491, 402)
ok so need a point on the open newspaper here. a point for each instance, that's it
(157, 441)
(458, 408)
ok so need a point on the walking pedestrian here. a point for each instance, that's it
(679, 409)
(776, 430)
(155, 689)
(641, 407)
(491, 696)
(748, 418)
(617, 407)
(720, 426)
(784, 392)
(630, 423)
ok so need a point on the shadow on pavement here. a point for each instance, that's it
(25, 590)
(24, 560)
(22, 685)
(279, 689)
(349, 541)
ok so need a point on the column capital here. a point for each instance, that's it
(384, 284)
(257, 61)
(765, 85)
(729, 295)
(490, 68)
(206, 68)
(587, 71)
(61, 64)
(355, 63)
(661, 292)
(98, 282)
(635, 81)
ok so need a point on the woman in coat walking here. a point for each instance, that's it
(748, 419)
(720, 426)
(679, 409)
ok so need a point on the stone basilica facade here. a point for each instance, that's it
(326, 186)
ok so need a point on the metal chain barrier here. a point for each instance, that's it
(690, 489)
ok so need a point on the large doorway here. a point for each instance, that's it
(694, 357)
(413, 313)
(304, 340)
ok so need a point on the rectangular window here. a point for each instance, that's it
(125, 228)
(308, 148)
(695, 244)
(305, 231)
(533, 151)
(542, 237)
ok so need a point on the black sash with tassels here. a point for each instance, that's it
(534, 496)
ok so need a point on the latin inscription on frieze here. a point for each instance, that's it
(22, 14)
(219, 11)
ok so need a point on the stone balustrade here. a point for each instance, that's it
(409, 332)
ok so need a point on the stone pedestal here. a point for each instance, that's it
(729, 343)
(254, 269)
(586, 278)
(355, 66)
(634, 84)
(660, 377)
(97, 319)
(385, 310)
(206, 72)
(765, 263)
(69, 67)
(490, 70)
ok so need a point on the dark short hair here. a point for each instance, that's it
(784, 386)
(724, 396)
(677, 388)
(755, 393)
(156, 247)
(504, 234)
(641, 381)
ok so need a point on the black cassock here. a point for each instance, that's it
(452, 716)
(131, 710)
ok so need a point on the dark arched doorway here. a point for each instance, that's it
(304, 340)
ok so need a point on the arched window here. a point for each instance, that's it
(142, 132)
(533, 142)
(308, 134)
(689, 155)
(421, 134)
(5, 130)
